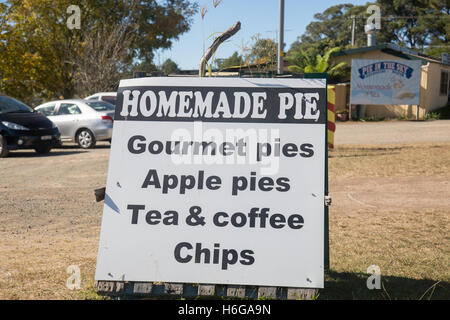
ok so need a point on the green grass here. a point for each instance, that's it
(372, 119)
(442, 113)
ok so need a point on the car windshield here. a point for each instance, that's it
(10, 105)
(100, 105)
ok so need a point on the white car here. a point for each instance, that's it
(80, 121)
(109, 97)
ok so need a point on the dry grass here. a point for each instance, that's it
(391, 208)
(401, 160)
(49, 220)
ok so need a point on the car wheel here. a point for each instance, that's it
(43, 149)
(3, 147)
(85, 139)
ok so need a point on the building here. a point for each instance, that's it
(434, 86)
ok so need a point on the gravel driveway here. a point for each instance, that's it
(389, 132)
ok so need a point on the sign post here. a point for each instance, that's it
(217, 181)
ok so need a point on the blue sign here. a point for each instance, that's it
(385, 82)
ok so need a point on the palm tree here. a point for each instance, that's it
(303, 62)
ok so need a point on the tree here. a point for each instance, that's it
(260, 52)
(34, 45)
(417, 24)
(41, 56)
(331, 29)
(422, 25)
(234, 60)
(101, 59)
(159, 23)
(141, 66)
(169, 67)
(304, 63)
(263, 51)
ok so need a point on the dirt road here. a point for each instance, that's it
(388, 132)
(391, 208)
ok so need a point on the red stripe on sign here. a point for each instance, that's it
(330, 106)
(331, 126)
(330, 145)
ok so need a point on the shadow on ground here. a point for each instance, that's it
(338, 286)
(60, 150)
(32, 154)
(75, 146)
(354, 286)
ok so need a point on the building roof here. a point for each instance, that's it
(392, 49)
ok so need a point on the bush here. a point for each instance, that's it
(442, 113)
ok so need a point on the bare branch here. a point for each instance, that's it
(216, 43)
(101, 55)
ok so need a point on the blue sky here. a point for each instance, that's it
(256, 16)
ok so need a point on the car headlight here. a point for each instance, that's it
(14, 126)
(53, 126)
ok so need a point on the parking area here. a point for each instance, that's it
(391, 208)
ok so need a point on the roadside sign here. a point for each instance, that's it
(385, 82)
(216, 180)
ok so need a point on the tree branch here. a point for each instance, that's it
(216, 43)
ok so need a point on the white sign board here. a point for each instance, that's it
(216, 180)
(385, 82)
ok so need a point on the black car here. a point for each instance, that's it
(23, 128)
